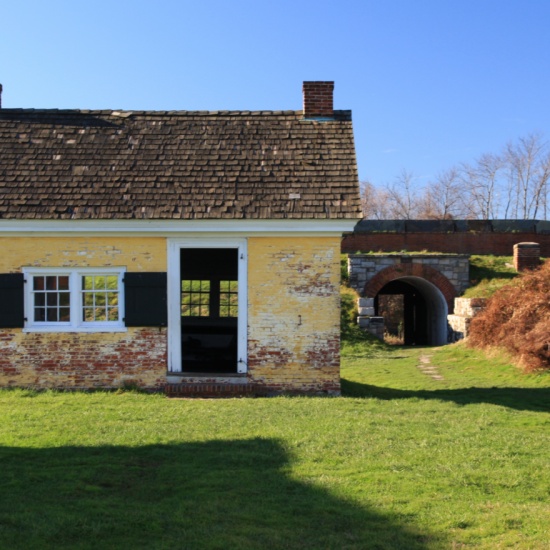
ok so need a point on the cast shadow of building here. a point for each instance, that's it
(213, 494)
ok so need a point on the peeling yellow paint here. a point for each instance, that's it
(293, 316)
(136, 254)
(294, 312)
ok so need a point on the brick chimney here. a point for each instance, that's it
(318, 100)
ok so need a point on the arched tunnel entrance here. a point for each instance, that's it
(413, 309)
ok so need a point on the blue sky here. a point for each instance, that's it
(431, 83)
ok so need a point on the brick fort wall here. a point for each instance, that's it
(454, 236)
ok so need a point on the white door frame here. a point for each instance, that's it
(174, 296)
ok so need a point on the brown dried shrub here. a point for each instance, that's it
(517, 318)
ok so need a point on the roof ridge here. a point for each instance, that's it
(131, 112)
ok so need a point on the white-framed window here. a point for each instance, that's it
(74, 299)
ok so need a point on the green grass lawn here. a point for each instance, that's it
(400, 461)
(488, 274)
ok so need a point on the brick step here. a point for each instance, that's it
(209, 390)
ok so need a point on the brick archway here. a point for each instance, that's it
(382, 278)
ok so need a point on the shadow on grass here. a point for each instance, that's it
(523, 399)
(216, 494)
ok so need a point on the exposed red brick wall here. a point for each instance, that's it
(526, 256)
(499, 244)
(83, 360)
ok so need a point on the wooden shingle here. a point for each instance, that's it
(72, 164)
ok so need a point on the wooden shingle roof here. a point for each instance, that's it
(76, 164)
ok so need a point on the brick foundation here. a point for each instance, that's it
(83, 360)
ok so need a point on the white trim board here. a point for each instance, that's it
(177, 227)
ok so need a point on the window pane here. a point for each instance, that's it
(100, 314)
(63, 282)
(39, 283)
(88, 314)
(229, 298)
(99, 293)
(111, 282)
(99, 282)
(195, 298)
(64, 314)
(87, 282)
(64, 299)
(51, 305)
(51, 282)
(51, 314)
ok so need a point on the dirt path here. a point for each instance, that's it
(427, 368)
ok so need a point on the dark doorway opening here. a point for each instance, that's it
(209, 310)
(405, 312)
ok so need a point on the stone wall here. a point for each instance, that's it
(464, 311)
(367, 320)
(364, 267)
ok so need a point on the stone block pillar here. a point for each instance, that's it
(465, 310)
(367, 320)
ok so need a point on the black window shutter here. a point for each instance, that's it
(12, 312)
(145, 299)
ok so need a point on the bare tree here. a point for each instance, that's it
(512, 184)
(402, 197)
(481, 187)
(442, 198)
(374, 202)
(528, 168)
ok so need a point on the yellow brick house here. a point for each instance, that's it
(192, 251)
